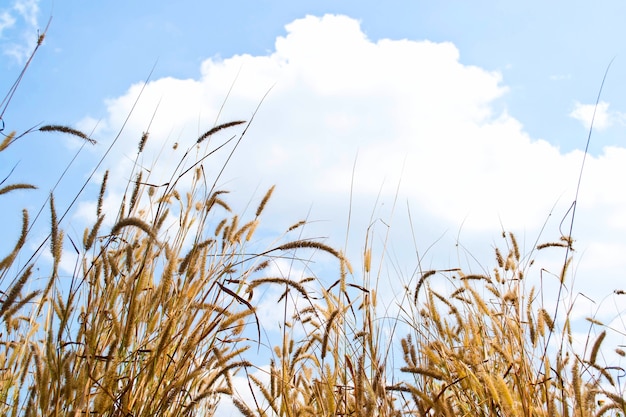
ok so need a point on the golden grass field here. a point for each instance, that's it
(160, 315)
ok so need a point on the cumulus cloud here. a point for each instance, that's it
(426, 132)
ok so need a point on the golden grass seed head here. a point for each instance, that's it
(216, 129)
(13, 187)
(296, 225)
(511, 297)
(68, 130)
(15, 290)
(429, 372)
(564, 270)
(253, 225)
(596, 347)
(8, 260)
(101, 194)
(367, 260)
(220, 226)
(142, 141)
(56, 237)
(551, 245)
(264, 201)
(547, 319)
(499, 258)
(7, 141)
(298, 244)
(135, 194)
(594, 321)
(135, 222)
(90, 236)
(516, 252)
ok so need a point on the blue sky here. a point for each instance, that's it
(479, 110)
(550, 54)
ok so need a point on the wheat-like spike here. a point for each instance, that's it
(56, 238)
(431, 373)
(596, 347)
(243, 408)
(217, 128)
(577, 387)
(608, 407)
(283, 281)
(224, 372)
(342, 275)
(531, 327)
(295, 226)
(6, 262)
(253, 225)
(130, 257)
(90, 237)
(142, 142)
(499, 258)
(480, 302)
(195, 250)
(17, 306)
(133, 196)
(367, 260)
(232, 318)
(475, 277)
(621, 402)
(547, 319)
(551, 245)
(327, 330)
(266, 198)
(231, 229)
(505, 394)
(515, 246)
(564, 270)
(159, 222)
(68, 130)
(221, 203)
(101, 194)
(15, 290)
(248, 229)
(297, 244)
(20, 186)
(7, 141)
(136, 222)
(220, 225)
(425, 275)
(594, 321)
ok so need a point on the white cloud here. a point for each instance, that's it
(28, 10)
(6, 21)
(414, 115)
(600, 115)
(21, 20)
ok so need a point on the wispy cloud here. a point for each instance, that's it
(18, 29)
(561, 77)
(7, 21)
